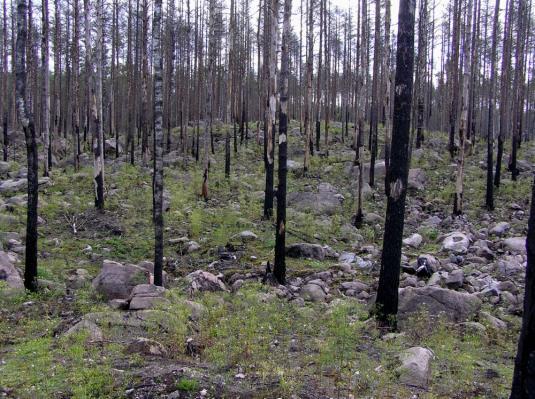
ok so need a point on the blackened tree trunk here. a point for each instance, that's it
(98, 141)
(524, 375)
(387, 293)
(375, 91)
(489, 197)
(308, 92)
(26, 119)
(45, 102)
(504, 89)
(4, 94)
(280, 231)
(271, 79)
(157, 188)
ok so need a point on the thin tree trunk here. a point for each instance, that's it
(489, 198)
(386, 304)
(26, 119)
(280, 230)
(158, 144)
(98, 142)
(45, 104)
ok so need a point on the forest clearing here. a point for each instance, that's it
(298, 201)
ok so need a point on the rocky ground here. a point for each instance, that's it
(97, 328)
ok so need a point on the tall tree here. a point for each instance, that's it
(387, 293)
(308, 92)
(96, 105)
(280, 229)
(158, 143)
(212, 52)
(45, 102)
(524, 378)
(26, 120)
(374, 121)
(272, 10)
(489, 198)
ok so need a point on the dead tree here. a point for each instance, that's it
(26, 120)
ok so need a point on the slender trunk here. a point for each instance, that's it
(280, 230)
(387, 293)
(158, 144)
(98, 142)
(45, 104)
(26, 119)
(489, 198)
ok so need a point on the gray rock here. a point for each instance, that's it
(347, 257)
(417, 179)
(247, 236)
(146, 296)
(456, 242)
(110, 146)
(455, 279)
(500, 229)
(94, 332)
(455, 305)
(415, 369)
(200, 281)
(313, 292)
(413, 241)
(353, 288)
(305, 250)
(492, 321)
(77, 279)
(326, 201)
(515, 245)
(9, 273)
(116, 280)
(147, 347)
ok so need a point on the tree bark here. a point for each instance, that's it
(387, 294)
(158, 144)
(523, 386)
(26, 119)
(280, 231)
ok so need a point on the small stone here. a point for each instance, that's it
(247, 236)
(455, 279)
(147, 346)
(416, 367)
(413, 241)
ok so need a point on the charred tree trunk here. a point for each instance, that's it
(280, 231)
(157, 188)
(386, 306)
(45, 102)
(489, 198)
(26, 119)
(524, 376)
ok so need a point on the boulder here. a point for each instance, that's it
(326, 201)
(247, 236)
(77, 279)
(415, 369)
(456, 242)
(353, 288)
(417, 179)
(200, 281)
(94, 332)
(9, 273)
(455, 279)
(110, 146)
(515, 245)
(146, 296)
(455, 305)
(116, 280)
(492, 321)
(500, 229)
(305, 250)
(146, 346)
(314, 291)
(413, 241)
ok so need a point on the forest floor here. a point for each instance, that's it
(236, 337)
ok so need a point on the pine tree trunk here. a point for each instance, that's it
(45, 102)
(524, 378)
(98, 141)
(387, 293)
(280, 230)
(26, 119)
(489, 197)
(158, 144)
